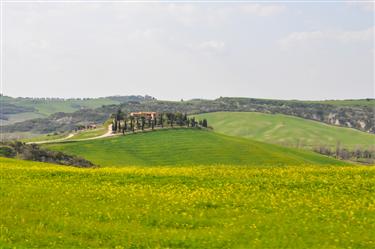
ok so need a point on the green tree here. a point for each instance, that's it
(132, 123)
(161, 119)
(142, 123)
(204, 123)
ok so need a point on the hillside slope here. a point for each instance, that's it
(286, 130)
(186, 147)
(21, 109)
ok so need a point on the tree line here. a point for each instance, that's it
(357, 155)
(123, 122)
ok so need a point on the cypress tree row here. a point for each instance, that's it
(123, 123)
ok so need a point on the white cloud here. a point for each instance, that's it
(340, 36)
(145, 34)
(190, 15)
(262, 9)
(211, 46)
(365, 6)
(215, 45)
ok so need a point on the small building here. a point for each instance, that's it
(146, 115)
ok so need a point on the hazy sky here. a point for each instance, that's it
(189, 50)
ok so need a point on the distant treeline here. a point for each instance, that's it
(357, 155)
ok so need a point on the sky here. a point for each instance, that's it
(171, 50)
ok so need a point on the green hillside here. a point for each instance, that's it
(286, 130)
(50, 105)
(48, 206)
(186, 147)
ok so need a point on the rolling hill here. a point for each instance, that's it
(186, 147)
(358, 114)
(21, 109)
(286, 130)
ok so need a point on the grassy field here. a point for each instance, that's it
(47, 206)
(286, 130)
(46, 137)
(89, 133)
(186, 147)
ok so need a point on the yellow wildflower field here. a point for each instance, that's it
(48, 206)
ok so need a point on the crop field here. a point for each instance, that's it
(287, 130)
(48, 206)
(187, 147)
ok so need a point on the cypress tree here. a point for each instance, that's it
(204, 123)
(161, 120)
(142, 123)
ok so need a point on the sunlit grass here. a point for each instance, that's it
(186, 147)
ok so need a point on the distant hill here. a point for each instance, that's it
(20, 109)
(187, 147)
(286, 130)
(359, 115)
(347, 102)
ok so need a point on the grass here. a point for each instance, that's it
(286, 130)
(46, 137)
(186, 147)
(89, 133)
(48, 206)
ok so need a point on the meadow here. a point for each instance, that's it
(89, 133)
(49, 206)
(287, 130)
(46, 137)
(186, 147)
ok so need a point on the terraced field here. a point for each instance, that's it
(48, 206)
(286, 130)
(186, 147)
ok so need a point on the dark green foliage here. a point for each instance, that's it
(142, 123)
(146, 122)
(7, 151)
(204, 123)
